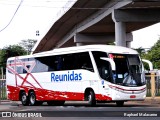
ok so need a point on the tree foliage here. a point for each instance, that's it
(153, 55)
(10, 51)
(141, 51)
(28, 44)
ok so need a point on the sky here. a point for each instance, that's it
(31, 16)
(39, 15)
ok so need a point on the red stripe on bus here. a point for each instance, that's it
(44, 94)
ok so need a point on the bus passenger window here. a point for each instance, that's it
(24, 70)
(59, 63)
(103, 66)
(85, 61)
(104, 70)
(77, 61)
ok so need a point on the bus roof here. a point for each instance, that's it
(104, 48)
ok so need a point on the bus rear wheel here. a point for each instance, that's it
(24, 99)
(32, 99)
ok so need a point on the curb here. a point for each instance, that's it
(4, 100)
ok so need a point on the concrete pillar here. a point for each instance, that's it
(128, 44)
(120, 33)
(129, 39)
(79, 44)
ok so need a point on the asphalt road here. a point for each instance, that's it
(81, 111)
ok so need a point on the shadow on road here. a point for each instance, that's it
(97, 105)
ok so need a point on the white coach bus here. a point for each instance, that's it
(93, 73)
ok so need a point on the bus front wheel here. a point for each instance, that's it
(24, 99)
(91, 98)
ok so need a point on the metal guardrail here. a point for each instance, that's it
(150, 79)
(3, 95)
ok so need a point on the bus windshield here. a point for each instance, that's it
(128, 70)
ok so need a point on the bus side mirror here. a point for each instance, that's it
(112, 63)
(149, 63)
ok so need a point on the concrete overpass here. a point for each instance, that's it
(100, 21)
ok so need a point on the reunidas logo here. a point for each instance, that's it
(66, 77)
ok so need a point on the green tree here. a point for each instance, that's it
(141, 51)
(10, 51)
(28, 44)
(154, 55)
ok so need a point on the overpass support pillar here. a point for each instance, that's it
(120, 34)
(129, 39)
(79, 44)
(121, 37)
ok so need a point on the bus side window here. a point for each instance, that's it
(105, 70)
(102, 65)
(24, 70)
(85, 61)
(9, 63)
(68, 61)
(76, 61)
(19, 69)
(59, 63)
(41, 64)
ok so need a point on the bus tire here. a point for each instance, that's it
(120, 103)
(24, 99)
(91, 98)
(32, 98)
